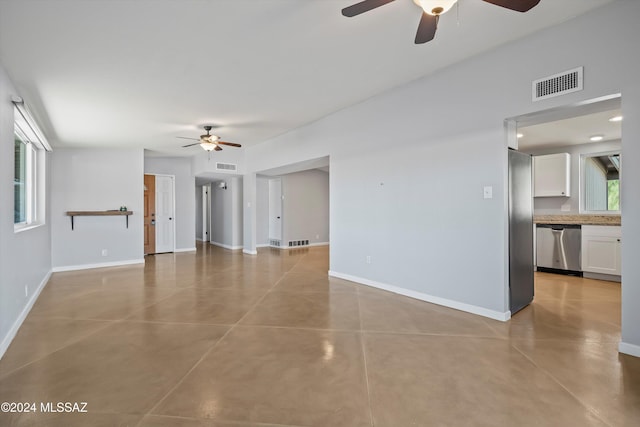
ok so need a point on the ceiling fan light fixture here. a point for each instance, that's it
(208, 146)
(435, 7)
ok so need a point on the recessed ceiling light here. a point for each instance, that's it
(616, 119)
(596, 138)
(520, 135)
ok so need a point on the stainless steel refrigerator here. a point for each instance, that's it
(520, 231)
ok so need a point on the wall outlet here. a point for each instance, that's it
(368, 259)
(317, 236)
(105, 252)
(566, 207)
(26, 290)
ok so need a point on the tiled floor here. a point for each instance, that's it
(219, 338)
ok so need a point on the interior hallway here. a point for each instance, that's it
(270, 340)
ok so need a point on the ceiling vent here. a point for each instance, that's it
(226, 167)
(558, 84)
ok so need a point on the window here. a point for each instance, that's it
(23, 166)
(601, 182)
(28, 177)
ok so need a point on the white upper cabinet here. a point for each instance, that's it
(552, 175)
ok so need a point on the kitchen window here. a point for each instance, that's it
(601, 182)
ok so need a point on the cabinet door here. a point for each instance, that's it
(601, 254)
(551, 175)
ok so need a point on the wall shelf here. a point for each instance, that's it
(73, 214)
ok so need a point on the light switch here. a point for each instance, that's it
(488, 192)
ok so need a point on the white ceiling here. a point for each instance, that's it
(141, 72)
(572, 131)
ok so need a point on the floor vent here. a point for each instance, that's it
(274, 242)
(226, 167)
(558, 84)
(295, 243)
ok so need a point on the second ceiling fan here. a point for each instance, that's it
(432, 9)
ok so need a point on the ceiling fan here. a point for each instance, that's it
(432, 9)
(209, 142)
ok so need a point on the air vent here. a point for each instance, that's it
(274, 242)
(294, 243)
(558, 84)
(226, 166)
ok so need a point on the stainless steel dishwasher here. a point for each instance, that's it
(558, 248)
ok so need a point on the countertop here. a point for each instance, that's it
(577, 219)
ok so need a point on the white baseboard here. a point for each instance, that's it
(630, 349)
(263, 245)
(185, 250)
(473, 309)
(248, 252)
(6, 341)
(99, 265)
(319, 244)
(233, 248)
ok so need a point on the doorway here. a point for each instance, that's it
(159, 214)
(569, 145)
(149, 214)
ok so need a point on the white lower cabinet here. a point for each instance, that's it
(601, 249)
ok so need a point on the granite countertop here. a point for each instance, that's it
(577, 219)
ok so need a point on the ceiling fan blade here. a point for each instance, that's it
(190, 145)
(517, 5)
(231, 144)
(427, 28)
(218, 148)
(363, 6)
(184, 137)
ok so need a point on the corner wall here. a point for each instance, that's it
(226, 213)
(262, 211)
(93, 180)
(305, 208)
(25, 257)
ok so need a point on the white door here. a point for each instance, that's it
(206, 212)
(275, 209)
(164, 214)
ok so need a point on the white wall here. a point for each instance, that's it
(93, 180)
(226, 211)
(25, 259)
(185, 182)
(198, 197)
(553, 205)
(262, 211)
(305, 208)
(455, 241)
(236, 212)
(203, 162)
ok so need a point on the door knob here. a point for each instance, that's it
(153, 222)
